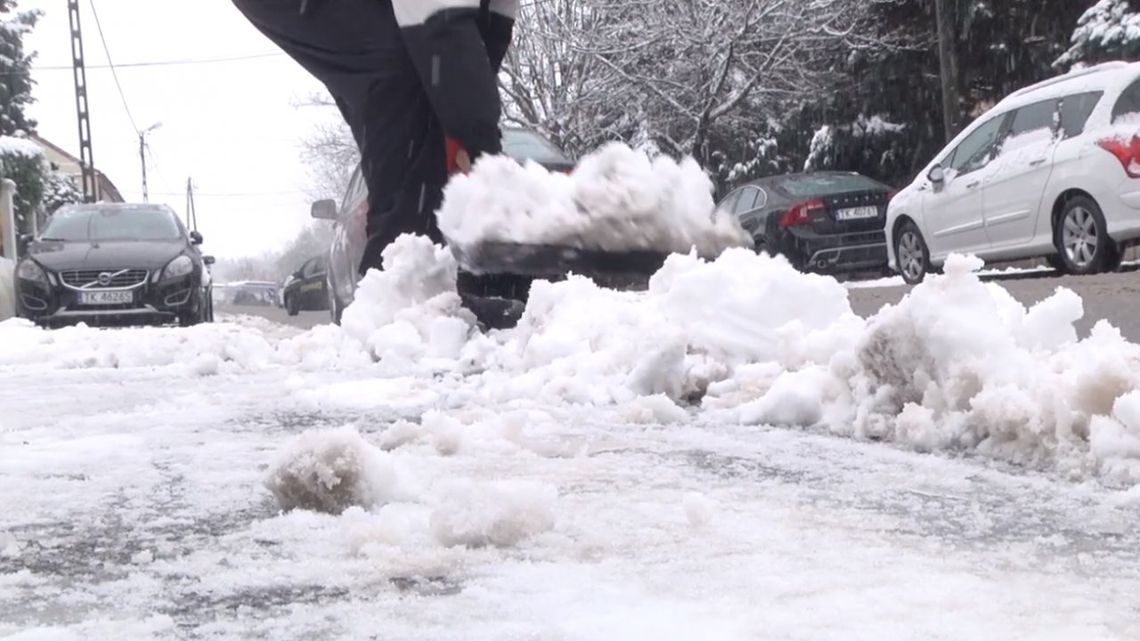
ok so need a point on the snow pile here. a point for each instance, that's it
(961, 365)
(410, 310)
(1116, 439)
(7, 289)
(502, 514)
(615, 199)
(698, 320)
(330, 471)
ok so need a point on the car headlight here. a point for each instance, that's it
(178, 267)
(30, 271)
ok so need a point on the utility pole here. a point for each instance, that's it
(191, 212)
(86, 155)
(947, 17)
(142, 157)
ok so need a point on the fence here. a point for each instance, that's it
(8, 248)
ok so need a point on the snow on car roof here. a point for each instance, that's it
(1094, 78)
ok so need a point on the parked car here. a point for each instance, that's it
(307, 288)
(347, 248)
(114, 264)
(827, 222)
(1051, 171)
(249, 293)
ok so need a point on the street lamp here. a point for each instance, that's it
(142, 156)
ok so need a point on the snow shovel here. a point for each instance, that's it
(626, 269)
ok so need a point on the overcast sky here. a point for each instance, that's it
(229, 125)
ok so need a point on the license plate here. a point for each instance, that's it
(106, 298)
(857, 213)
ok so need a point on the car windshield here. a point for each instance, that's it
(528, 145)
(814, 185)
(112, 223)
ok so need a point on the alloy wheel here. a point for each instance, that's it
(1079, 236)
(911, 258)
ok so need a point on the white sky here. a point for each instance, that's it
(229, 125)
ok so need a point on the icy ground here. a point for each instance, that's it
(730, 455)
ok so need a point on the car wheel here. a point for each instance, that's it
(911, 253)
(1083, 245)
(291, 306)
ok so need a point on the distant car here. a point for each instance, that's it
(347, 247)
(826, 222)
(1051, 171)
(251, 293)
(114, 264)
(307, 288)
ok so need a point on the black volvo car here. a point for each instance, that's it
(826, 222)
(114, 264)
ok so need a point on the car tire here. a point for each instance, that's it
(291, 306)
(911, 254)
(1080, 236)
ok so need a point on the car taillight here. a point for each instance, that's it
(1128, 153)
(800, 213)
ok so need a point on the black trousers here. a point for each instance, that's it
(402, 93)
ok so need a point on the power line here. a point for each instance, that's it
(111, 64)
(250, 194)
(164, 63)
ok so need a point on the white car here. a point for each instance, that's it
(1051, 171)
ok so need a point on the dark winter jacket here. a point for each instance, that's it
(451, 43)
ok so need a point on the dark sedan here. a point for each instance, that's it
(826, 222)
(114, 264)
(347, 248)
(307, 288)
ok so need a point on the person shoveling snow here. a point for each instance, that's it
(416, 82)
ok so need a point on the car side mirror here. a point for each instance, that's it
(195, 238)
(937, 175)
(324, 209)
(209, 260)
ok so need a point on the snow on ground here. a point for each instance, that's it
(615, 199)
(731, 454)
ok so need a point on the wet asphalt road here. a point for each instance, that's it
(303, 320)
(1115, 297)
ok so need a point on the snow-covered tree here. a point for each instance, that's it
(15, 68)
(23, 162)
(59, 190)
(1109, 30)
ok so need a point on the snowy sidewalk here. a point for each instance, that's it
(730, 455)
